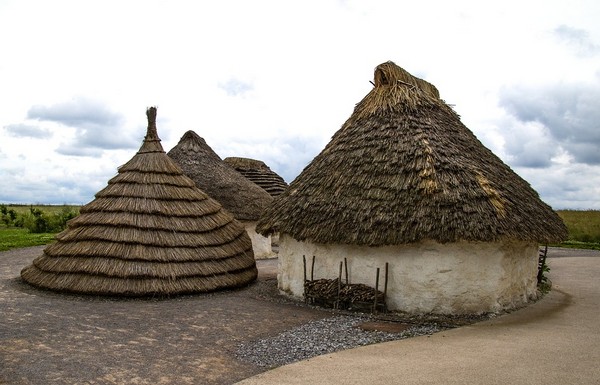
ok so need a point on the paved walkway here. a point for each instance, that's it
(555, 341)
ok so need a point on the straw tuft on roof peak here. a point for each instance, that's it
(397, 91)
(389, 74)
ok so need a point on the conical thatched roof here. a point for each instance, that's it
(403, 168)
(151, 231)
(258, 172)
(244, 199)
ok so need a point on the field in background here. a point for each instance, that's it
(583, 225)
(50, 209)
(584, 228)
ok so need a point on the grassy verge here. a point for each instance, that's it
(13, 238)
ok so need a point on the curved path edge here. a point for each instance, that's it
(554, 341)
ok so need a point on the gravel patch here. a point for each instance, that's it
(320, 337)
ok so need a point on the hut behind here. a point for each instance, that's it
(259, 173)
(244, 199)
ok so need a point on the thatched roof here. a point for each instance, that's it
(151, 231)
(403, 168)
(244, 199)
(258, 172)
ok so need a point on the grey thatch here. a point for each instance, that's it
(403, 168)
(151, 231)
(244, 199)
(258, 172)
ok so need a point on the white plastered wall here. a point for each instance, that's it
(426, 277)
(260, 245)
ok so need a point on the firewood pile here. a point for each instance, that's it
(339, 295)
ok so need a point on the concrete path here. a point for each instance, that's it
(554, 341)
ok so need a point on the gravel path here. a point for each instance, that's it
(217, 338)
(321, 337)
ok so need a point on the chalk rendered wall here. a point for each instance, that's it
(260, 245)
(463, 277)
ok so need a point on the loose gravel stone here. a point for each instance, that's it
(320, 337)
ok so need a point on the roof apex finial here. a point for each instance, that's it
(151, 140)
(152, 133)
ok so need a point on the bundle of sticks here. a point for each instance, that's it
(327, 289)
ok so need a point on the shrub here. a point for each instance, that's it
(7, 216)
(38, 221)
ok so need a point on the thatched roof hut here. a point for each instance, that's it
(258, 172)
(404, 170)
(244, 199)
(151, 231)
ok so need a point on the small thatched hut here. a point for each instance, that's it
(244, 199)
(405, 182)
(258, 172)
(151, 231)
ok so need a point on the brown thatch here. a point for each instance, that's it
(403, 168)
(258, 172)
(151, 231)
(244, 199)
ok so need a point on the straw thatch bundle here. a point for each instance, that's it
(151, 231)
(258, 172)
(245, 200)
(403, 168)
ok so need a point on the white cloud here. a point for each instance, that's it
(577, 39)
(24, 130)
(565, 115)
(97, 128)
(571, 186)
(236, 87)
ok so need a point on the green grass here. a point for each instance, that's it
(584, 228)
(13, 238)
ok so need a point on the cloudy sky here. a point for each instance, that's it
(273, 80)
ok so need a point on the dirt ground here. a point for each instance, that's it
(50, 338)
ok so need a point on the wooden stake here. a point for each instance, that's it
(337, 303)
(346, 268)
(376, 290)
(385, 282)
(304, 264)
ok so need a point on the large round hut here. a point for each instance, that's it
(151, 231)
(259, 173)
(404, 182)
(244, 199)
